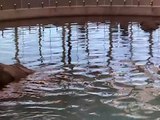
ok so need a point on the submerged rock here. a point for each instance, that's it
(10, 73)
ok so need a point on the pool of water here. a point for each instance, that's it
(85, 70)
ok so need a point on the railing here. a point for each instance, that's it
(20, 4)
(25, 9)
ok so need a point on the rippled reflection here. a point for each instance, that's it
(84, 70)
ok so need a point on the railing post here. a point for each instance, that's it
(69, 2)
(42, 4)
(151, 3)
(15, 6)
(56, 3)
(124, 2)
(1, 7)
(111, 2)
(97, 2)
(21, 4)
(49, 3)
(138, 2)
(84, 2)
(29, 5)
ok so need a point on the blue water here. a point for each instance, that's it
(84, 71)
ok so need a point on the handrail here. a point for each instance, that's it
(20, 4)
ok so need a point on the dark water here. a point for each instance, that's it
(84, 71)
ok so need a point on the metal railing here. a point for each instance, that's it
(20, 4)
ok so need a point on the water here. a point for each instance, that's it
(85, 70)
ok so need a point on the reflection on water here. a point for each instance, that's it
(87, 70)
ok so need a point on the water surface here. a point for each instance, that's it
(88, 70)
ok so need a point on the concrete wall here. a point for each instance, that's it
(8, 11)
(78, 11)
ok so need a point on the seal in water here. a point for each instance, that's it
(10, 73)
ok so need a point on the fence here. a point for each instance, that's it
(19, 4)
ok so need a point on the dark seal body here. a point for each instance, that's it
(10, 73)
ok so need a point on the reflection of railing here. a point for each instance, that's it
(19, 4)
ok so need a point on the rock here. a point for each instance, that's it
(10, 73)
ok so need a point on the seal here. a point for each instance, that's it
(14, 72)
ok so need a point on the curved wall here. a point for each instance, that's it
(20, 9)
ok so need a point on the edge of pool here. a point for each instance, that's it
(27, 13)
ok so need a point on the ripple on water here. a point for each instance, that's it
(83, 71)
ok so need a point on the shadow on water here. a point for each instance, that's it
(86, 68)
